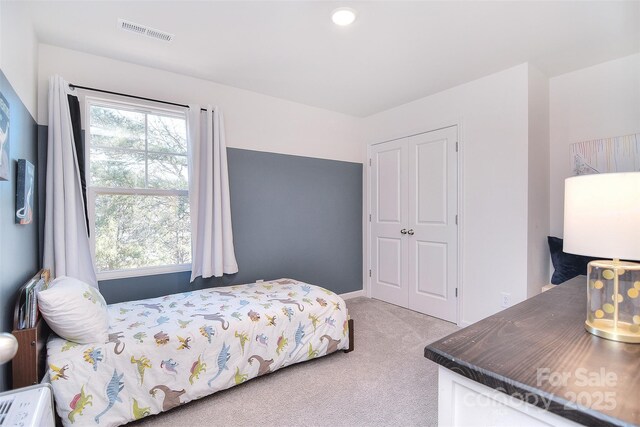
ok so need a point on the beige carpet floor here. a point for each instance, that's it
(385, 381)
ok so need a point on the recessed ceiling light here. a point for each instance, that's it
(343, 16)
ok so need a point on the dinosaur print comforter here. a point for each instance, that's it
(166, 351)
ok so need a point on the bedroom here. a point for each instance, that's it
(303, 104)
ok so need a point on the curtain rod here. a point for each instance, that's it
(130, 96)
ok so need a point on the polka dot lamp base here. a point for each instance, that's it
(613, 300)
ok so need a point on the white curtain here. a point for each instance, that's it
(211, 232)
(66, 242)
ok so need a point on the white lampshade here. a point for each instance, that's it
(602, 215)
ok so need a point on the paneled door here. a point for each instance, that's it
(433, 234)
(388, 222)
(414, 222)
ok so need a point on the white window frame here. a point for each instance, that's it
(92, 192)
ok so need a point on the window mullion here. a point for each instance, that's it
(123, 149)
(146, 151)
(139, 191)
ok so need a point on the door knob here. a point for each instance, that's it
(403, 231)
(410, 232)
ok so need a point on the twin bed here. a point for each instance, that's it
(164, 352)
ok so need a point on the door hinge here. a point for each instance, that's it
(369, 273)
(456, 219)
(369, 217)
(456, 146)
(369, 162)
(456, 292)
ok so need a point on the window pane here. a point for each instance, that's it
(116, 168)
(167, 134)
(117, 128)
(134, 231)
(168, 172)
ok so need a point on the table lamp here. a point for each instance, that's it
(602, 219)
(8, 347)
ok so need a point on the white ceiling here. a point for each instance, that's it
(394, 53)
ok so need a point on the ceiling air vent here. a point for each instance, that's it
(125, 25)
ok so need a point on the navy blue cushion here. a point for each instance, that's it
(566, 266)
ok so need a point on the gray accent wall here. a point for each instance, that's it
(18, 243)
(295, 217)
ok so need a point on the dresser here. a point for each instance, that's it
(534, 364)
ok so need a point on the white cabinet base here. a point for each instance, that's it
(463, 402)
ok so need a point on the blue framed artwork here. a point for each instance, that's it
(5, 165)
(24, 192)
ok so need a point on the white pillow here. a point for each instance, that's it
(74, 310)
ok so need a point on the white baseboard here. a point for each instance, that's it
(464, 324)
(549, 286)
(354, 294)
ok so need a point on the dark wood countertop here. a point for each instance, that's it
(516, 350)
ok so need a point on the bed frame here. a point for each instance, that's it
(29, 365)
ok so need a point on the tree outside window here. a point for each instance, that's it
(137, 189)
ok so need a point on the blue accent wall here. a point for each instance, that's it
(295, 217)
(18, 243)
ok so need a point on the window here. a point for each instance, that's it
(137, 189)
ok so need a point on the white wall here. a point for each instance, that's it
(19, 52)
(596, 102)
(252, 121)
(538, 191)
(494, 133)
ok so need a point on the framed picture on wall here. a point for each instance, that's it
(24, 192)
(5, 165)
(615, 154)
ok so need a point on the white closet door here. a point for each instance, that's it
(432, 201)
(388, 218)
